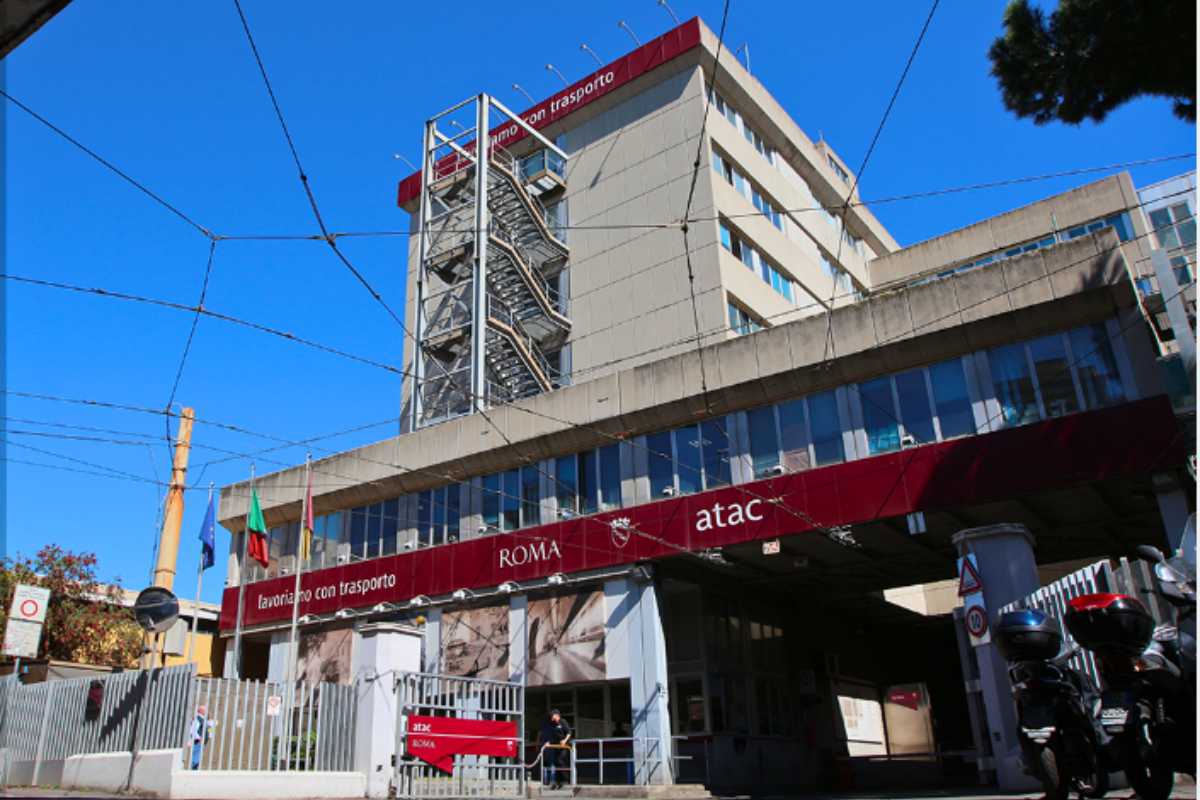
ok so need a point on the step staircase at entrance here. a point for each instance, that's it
(676, 791)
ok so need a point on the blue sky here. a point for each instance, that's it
(170, 93)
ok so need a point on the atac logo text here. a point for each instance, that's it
(722, 516)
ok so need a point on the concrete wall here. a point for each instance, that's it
(1060, 212)
(1085, 280)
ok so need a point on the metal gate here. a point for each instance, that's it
(421, 694)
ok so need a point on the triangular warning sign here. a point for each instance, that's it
(969, 581)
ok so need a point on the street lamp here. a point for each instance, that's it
(554, 69)
(591, 53)
(623, 25)
(663, 3)
(528, 96)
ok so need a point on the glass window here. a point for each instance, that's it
(1164, 231)
(1096, 366)
(531, 496)
(586, 465)
(439, 515)
(826, 427)
(688, 455)
(1013, 384)
(764, 440)
(1054, 375)
(662, 472)
(1185, 224)
(491, 502)
(425, 519)
(391, 519)
(510, 500)
(358, 531)
(715, 446)
(914, 406)
(951, 399)
(793, 435)
(566, 486)
(453, 514)
(879, 415)
(1183, 270)
(726, 238)
(610, 476)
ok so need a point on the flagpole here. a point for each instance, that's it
(293, 639)
(199, 580)
(237, 632)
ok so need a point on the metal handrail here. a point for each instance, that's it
(644, 757)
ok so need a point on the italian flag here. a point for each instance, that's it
(256, 528)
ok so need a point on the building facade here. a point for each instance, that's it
(701, 472)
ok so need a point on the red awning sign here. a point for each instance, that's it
(436, 740)
(969, 581)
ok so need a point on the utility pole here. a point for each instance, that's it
(168, 540)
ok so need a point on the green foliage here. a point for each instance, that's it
(84, 622)
(1091, 56)
(302, 751)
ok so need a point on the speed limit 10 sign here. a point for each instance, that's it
(29, 603)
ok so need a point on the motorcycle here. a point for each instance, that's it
(1149, 704)
(1063, 743)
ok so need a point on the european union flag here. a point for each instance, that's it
(208, 538)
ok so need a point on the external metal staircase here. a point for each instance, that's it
(526, 316)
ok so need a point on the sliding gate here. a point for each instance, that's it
(442, 714)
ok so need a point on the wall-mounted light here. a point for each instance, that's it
(462, 594)
(304, 620)
(381, 607)
(419, 600)
(344, 613)
(557, 579)
(508, 587)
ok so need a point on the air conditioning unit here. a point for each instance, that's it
(343, 553)
(776, 470)
(908, 440)
(668, 491)
(287, 565)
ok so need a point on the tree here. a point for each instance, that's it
(85, 622)
(1091, 56)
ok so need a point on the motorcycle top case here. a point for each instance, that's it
(1027, 635)
(1110, 624)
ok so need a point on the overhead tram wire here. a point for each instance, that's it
(187, 345)
(303, 176)
(912, 56)
(141, 187)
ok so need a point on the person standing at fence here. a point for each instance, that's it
(200, 730)
(554, 736)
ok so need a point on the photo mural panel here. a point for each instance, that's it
(566, 639)
(475, 643)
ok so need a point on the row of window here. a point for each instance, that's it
(1118, 222)
(1006, 386)
(760, 265)
(726, 169)
(738, 121)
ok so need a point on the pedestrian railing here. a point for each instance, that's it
(52, 721)
(619, 760)
(256, 725)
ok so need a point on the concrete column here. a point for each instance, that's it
(648, 684)
(1008, 570)
(1172, 506)
(518, 638)
(431, 660)
(380, 650)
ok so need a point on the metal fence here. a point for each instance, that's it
(1134, 578)
(254, 725)
(465, 698)
(51, 721)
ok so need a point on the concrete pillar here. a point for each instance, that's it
(431, 660)
(1008, 571)
(380, 650)
(1172, 507)
(518, 639)
(648, 684)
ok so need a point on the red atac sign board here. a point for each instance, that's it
(436, 740)
(1132, 438)
(652, 54)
